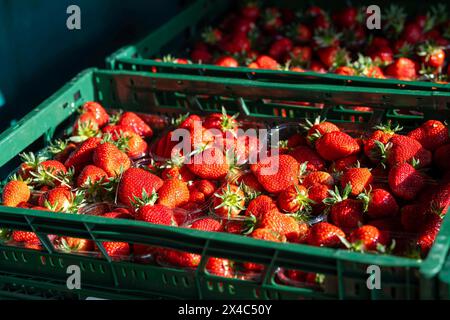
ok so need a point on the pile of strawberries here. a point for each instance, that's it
(406, 47)
(382, 191)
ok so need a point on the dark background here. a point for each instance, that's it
(38, 54)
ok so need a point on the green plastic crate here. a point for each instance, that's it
(444, 277)
(182, 30)
(401, 278)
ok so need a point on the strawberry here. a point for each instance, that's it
(24, 236)
(300, 33)
(266, 62)
(219, 267)
(344, 164)
(379, 203)
(70, 244)
(227, 61)
(85, 127)
(318, 177)
(156, 214)
(405, 181)
(201, 190)
(441, 157)
(345, 213)
(437, 200)
(283, 224)
(431, 134)
(368, 238)
(134, 182)
(90, 175)
(402, 68)
(83, 154)
(336, 145)
(432, 55)
(294, 200)
(333, 56)
(324, 234)
(276, 173)
(209, 164)
(222, 121)
(318, 193)
(207, 224)
(131, 119)
(279, 48)
(358, 178)
(250, 10)
(127, 141)
(109, 158)
(428, 232)
(229, 201)
(412, 217)
(345, 71)
(212, 36)
(116, 249)
(100, 114)
(61, 199)
(173, 193)
(15, 192)
(260, 205)
(402, 149)
(305, 154)
(382, 55)
(179, 258)
(345, 17)
(250, 182)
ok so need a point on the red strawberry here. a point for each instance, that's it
(250, 10)
(227, 61)
(134, 182)
(412, 32)
(405, 181)
(403, 149)
(83, 154)
(336, 145)
(229, 201)
(15, 192)
(24, 236)
(431, 135)
(324, 234)
(283, 224)
(333, 56)
(272, 21)
(318, 193)
(221, 121)
(85, 126)
(209, 164)
(109, 158)
(276, 173)
(432, 55)
(345, 71)
(207, 224)
(260, 205)
(131, 119)
(250, 182)
(61, 150)
(179, 258)
(428, 232)
(99, 112)
(219, 267)
(116, 249)
(301, 33)
(358, 178)
(156, 214)
(279, 48)
(379, 203)
(344, 164)
(403, 69)
(347, 213)
(201, 190)
(368, 238)
(345, 17)
(91, 174)
(266, 62)
(294, 199)
(173, 193)
(59, 199)
(305, 154)
(318, 177)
